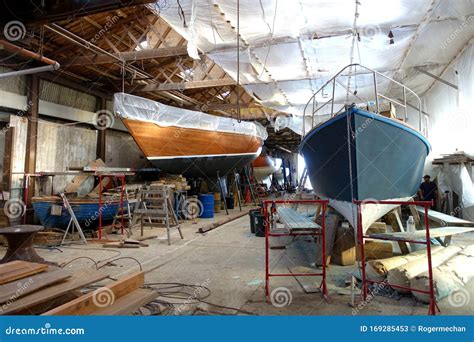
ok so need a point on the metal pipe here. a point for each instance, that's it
(26, 53)
(30, 71)
(405, 102)
(91, 47)
(333, 94)
(376, 93)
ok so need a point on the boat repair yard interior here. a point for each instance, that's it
(237, 157)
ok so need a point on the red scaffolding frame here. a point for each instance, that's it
(361, 236)
(317, 232)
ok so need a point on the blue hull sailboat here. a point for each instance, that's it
(359, 155)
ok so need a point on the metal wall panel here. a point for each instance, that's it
(61, 147)
(122, 151)
(65, 96)
(15, 84)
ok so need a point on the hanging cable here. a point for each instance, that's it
(355, 36)
(238, 61)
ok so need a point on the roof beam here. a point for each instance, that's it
(182, 86)
(232, 106)
(437, 78)
(450, 64)
(128, 56)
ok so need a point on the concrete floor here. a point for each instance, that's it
(229, 260)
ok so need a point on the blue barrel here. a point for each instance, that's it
(207, 201)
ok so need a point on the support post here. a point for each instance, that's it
(101, 135)
(31, 137)
(267, 277)
(432, 305)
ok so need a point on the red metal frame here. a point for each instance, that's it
(122, 178)
(360, 237)
(321, 232)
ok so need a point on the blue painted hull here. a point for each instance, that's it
(383, 158)
(86, 213)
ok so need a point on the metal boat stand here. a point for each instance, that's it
(73, 223)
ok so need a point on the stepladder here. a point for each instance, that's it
(154, 209)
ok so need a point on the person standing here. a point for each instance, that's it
(428, 191)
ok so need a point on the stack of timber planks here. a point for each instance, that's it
(176, 182)
(32, 288)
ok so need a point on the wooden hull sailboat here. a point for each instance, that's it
(187, 142)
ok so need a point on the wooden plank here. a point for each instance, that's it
(38, 309)
(394, 221)
(78, 180)
(444, 219)
(128, 303)
(420, 234)
(18, 269)
(294, 220)
(182, 86)
(102, 297)
(17, 289)
(127, 56)
(332, 222)
(76, 281)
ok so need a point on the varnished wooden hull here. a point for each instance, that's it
(193, 152)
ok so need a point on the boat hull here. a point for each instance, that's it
(264, 166)
(87, 214)
(193, 152)
(382, 159)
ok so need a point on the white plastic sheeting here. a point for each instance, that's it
(290, 48)
(457, 179)
(139, 108)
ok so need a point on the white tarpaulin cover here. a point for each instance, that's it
(139, 108)
(288, 49)
(457, 179)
